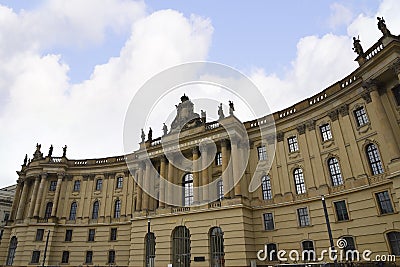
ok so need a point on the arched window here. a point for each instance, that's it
(220, 189)
(374, 159)
(334, 171)
(181, 247)
(394, 242)
(299, 181)
(308, 253)
(95, 211)
(120, 181)
(217, 247)
(187, 183)
(11, 251)
(49, 208)
(72, 212)
(117, 208)
(266, 187)
(150, 242)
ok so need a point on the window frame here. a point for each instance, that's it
(218, 159)
(39, 234)
(384, 204)
(361, 116)
(396, 240)
(396, 94)
(48, 210)
(35, 257)
(326, 132)
(113, 233)
(262, 153)
(335, 172)
(374, 159)
(266, 187)
(188, 190)
(120, 182)
(77, 186)
(95, 209)
(65, 257)
(270, 247)
(217, 247)
(293, 144)
(53, 185)
(303, 249)
(91, 235)
(73, 211)
(339, 213)
(299, 182)
(269, 223)
(68, 235)
(99, 184)
(111, 256)
(220, 189)
(117, 208)
(89, 255)
(303, 218)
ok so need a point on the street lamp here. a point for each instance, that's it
(45, 248)
(328, 225)
(148, 243)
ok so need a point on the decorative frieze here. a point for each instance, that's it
(310, 124)
(344, 110)
(333, 115)
(301, 129)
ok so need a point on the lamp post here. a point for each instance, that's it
(148, 244)
(45, 248)
(328, 225)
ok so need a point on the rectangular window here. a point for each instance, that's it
(341, 210)
(68, 235)
(268, 221)
(111, 256)
(99, 184)
(65, 257)
(292, 142)
(304, 219)
(77, 185)
(53, 185)
(35, 256)
(262, 153)
(39, 235)
(396, 93)
(325, 132)
(6, 216)
(384, 202)
(120, 182)
(113, 234)
(89, 257)
(218, 159)
(361, 116)
(92, 232)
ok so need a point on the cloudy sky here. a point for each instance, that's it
(68, 69)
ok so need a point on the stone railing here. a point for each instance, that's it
(287, 112)
(156, 142)
(180, 209)
(101, 161)
(215, 204)
(55, 160)
(374, 50)
(347, 81)
(212, 125)
(80, 162)
(317, 98)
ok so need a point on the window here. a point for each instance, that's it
(220, 190)
(349, 248)
(396, 93)
(11, 251)
(1, 234)
(95, 212)
(374, 159)
(341, 210)
(113, 234)
(334, 172)
(120, 182)
(268, 221)
(91, 235)
(325, 132)
(181, 246)
(308, 253)
(39, 235)
(53, 185)
(77, 185)
(384, 203)
(394, 242)
(266, 187)
(89, 257)
(35, 256)
(187, 184)
(65, 257)
(49, 208)
(68, 235)
(361, 116)
(72, 212)
(293, 146)
(299, 181)
(99, 184)
(6, 216)
(304, 219)
(218, 159)
(217, 247)
(150, 242)
(111, 256)
(117, 208)
(272, 251)
(262, 153)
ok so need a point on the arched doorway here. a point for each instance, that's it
(181, 247)
(217, 247)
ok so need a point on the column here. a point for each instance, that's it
(204, 172)
(162, 182)
(139, 187)
(380, 120)
(57, 195)
(275, 181)
(169, 194)
(34, 196)
(195, 171)
(244, 157)
(309, 174)
(40, 195)
(16, 200)
(22, 204)
(225, 173)
(146, 188)
(283, 173)
(236, 168)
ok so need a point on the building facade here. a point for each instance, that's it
(6, 200)
(342, 143)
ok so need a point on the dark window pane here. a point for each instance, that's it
(384, 202)
(341, 210)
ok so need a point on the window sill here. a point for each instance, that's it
(387, 214)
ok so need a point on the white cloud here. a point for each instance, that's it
(41, 105)
(340, 15)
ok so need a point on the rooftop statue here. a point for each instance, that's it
(185, 115)
(150, 135)
(143, 136)
(231, 108)
(357, 46)
(25, 159)
(50, 151)
(220, 112)
(165, 129)
(64, 151)
(382, 26)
